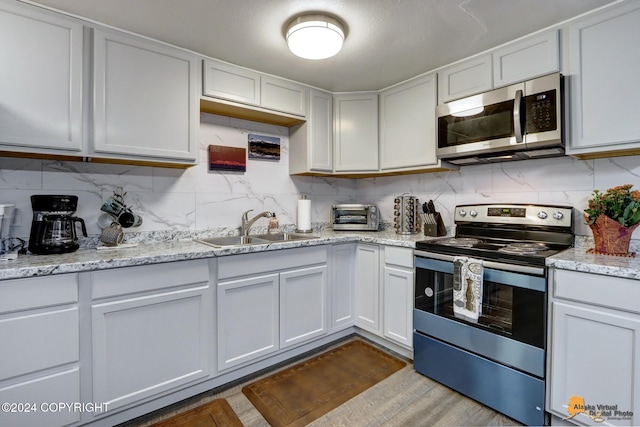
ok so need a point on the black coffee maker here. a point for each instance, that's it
(53, 230)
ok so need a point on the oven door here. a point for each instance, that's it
(511, 329)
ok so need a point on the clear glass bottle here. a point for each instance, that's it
(274, 224)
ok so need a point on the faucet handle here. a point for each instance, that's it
(245, 215)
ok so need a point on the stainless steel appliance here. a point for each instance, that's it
(363, 217)
(521, 121)
(497, 357)
(53, 229)
(406, 214)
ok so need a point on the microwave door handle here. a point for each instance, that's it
(517, 115)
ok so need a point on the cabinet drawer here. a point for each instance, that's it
(36, 292)
(249, 264)
(45, 393)
(129, 280)
(596, 289)
(402, 257)
(38, 341)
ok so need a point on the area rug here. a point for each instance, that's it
(306, 391)
(217, 413)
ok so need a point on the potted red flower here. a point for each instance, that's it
(613, 216)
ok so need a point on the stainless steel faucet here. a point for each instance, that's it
(247, 223)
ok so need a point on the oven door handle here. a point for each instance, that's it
(538, 271)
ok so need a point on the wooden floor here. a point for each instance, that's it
(406, 398)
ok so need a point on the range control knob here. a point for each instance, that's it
(558, 215)
(473, 213)
(372, 209)
(462, 212)
(542, 215)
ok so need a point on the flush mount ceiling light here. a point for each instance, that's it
(315, 36)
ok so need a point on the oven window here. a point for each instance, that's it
(494, 122)
(514, 312)
(351, 216)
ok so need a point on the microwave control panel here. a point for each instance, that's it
(541, 112)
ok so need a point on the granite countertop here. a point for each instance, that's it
(177, 250)
(577, 259)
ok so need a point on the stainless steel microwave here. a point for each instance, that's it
(521, 121)
(363, 217)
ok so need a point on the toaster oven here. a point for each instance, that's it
(361, 217)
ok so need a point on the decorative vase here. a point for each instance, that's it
(611, 237)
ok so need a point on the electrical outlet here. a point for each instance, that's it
(17, 219)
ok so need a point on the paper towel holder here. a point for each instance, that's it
(304, 216)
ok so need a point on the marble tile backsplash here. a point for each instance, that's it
(176, 203)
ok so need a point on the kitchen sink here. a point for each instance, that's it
(256, 239)
(230, 241)
(283, 237)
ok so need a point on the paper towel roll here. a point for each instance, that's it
(304, 215)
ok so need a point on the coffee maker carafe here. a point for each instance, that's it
(53, 230)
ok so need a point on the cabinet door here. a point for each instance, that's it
(226, 81)
(342, 278)
(408, 124)
(303, 308)
(311, 142)
(283, 95)
(465, 78)
(398, 305)
(148, 344)
(367, 288)
(41, 397)
(145, 98)
(604, 60)
(40, 79)
(595, 354)
(356, 132)
(527, 58)
(248, 319)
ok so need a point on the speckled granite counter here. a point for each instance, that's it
(152, 253)
(577, 259)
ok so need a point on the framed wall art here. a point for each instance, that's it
(223, 158)
(264, 147)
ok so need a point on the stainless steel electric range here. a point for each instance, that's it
(480, 304)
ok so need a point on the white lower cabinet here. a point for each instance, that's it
(594, 348)
(341, 297)
(303, 296)
(39, 356)
(248, 319)
(151, 330)
(270, 301)
(398, 295)
(384, 292)
(367, 288)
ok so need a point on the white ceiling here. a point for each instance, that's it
(387, 40)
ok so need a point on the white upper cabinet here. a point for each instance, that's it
(465, 78)
(311, 142)
(222, 80)
(145, 98)
(604, 62)
(527, 58)
(407, 124)
(283, 95)
(356, 132)
(40, 80)
(237, 84)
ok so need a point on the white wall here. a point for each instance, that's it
(196, 199)
(563, 180)
(177, 199)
